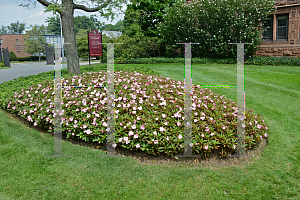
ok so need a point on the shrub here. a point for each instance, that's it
(214, 24)
(2, 64)
(207, 60)
(12, 56)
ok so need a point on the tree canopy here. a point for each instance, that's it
(34, 40)
(66, 11)
(13, 28)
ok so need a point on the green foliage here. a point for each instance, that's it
(285, 61)
(31, 58)
(214, 24)
(16, 28)
(151, 13)
(12, 56)
(119, 26)
(35, 42)
(13, 28)
(4, 30)
(2, 64)
(53, 25)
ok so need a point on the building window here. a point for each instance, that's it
(18, 52)
(1, 41)
(268, 28)
(17, 40)
(282, 27)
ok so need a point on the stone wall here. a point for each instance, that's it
(287, 47)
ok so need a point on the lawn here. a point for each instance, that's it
(272, 91)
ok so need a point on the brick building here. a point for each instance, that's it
(282, 34)
(14, 42)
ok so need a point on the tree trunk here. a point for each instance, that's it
(39, 57)
(67, 19)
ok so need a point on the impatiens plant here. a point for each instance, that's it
(149, 114)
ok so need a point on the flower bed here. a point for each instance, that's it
(149, 114)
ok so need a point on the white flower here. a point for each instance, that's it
(161, 129)
(164, 116)
(154, 133)
(138, 146)
(120, 139)
(130, 133)
(114, 145)
(180, 137)
(134, 126)
(136, 136)
(125, 138)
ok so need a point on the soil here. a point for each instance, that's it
(213, 162)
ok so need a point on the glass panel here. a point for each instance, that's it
(282, 26)
(282, 32)
(268, 27)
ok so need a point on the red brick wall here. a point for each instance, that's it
(13, 45)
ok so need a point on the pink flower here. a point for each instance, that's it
(125, 138)
(224, 127)
(266, 127)
(161, 129)
(234, 146)
(195, 120)
(133, 127)
(168, 138)
(266, 135)
(178, 123)
(202, 118)
(180, 137)
(71, 119)
(207, 129)
(84, 126)
(250, 123)
(206, 147)
(143, 127)
(130, 133)
(136, 136)
(260, 137)
(138, 146)
(202, 135)
(154, 133)
(258, 126)
(104, 124)
(180, 146)
(114, 145)
(155, 141)
(120, 139)
(164, 116)
(35, 124)
(75, 126)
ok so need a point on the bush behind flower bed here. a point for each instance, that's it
(213, 116)
(285, 61)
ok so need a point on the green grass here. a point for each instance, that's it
(272, 91)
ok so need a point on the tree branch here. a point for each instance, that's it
(82, 7)
(44, 3)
